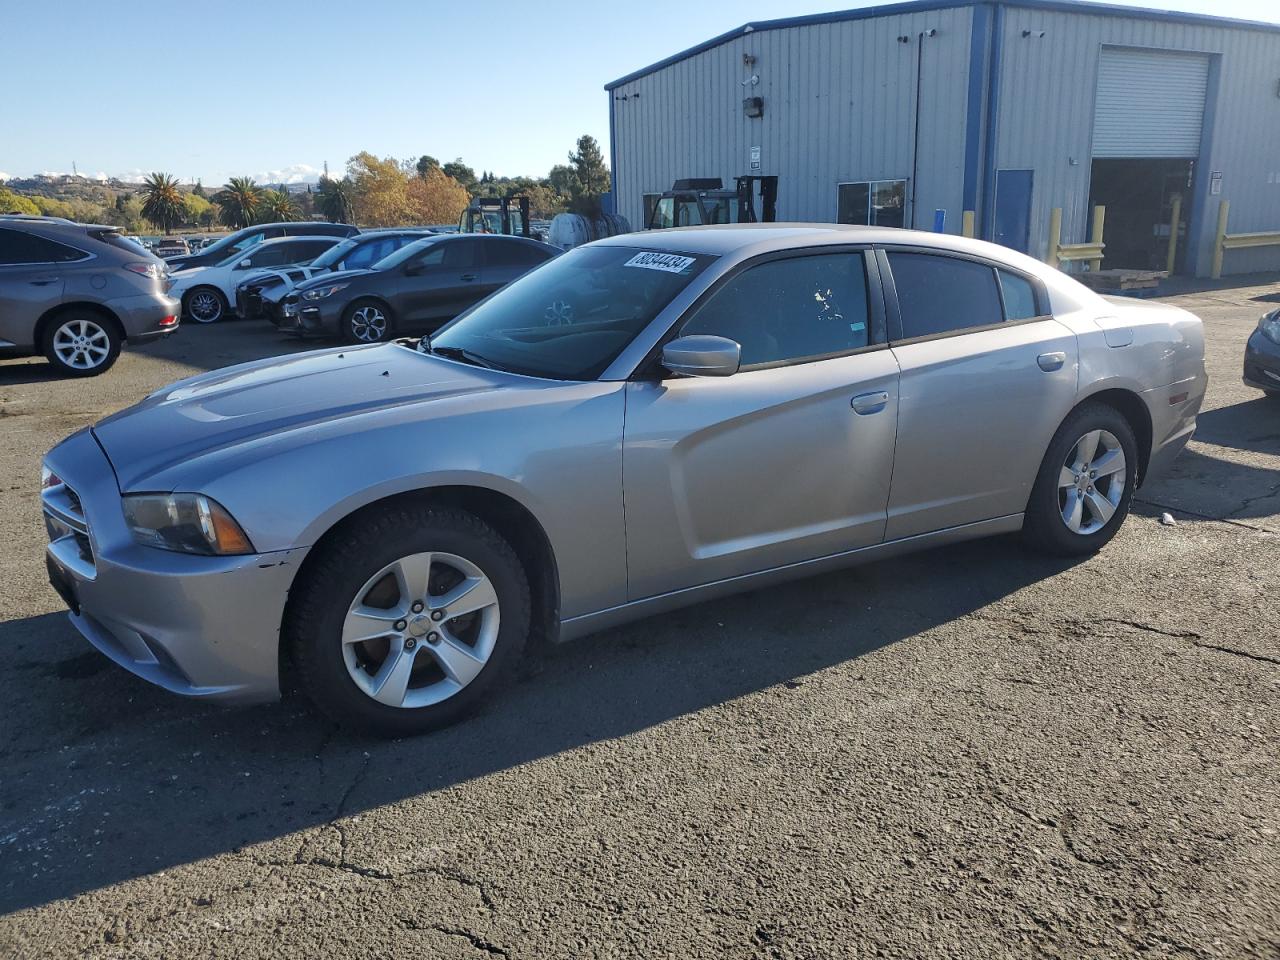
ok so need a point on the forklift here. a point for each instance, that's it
(507, 215)
(703, 200)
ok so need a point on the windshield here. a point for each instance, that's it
(570, 318)
(404, 253)
(335, 253)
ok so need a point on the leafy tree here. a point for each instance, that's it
(335, 200)
(277, 206)
(592, 173)
(564, 180)
(197, 208)
(462, 173)
(162, 203)
(380, 195)
(51, 207)
(238, 202)
(11, 202)
(426, 164)
(198, 190)
(435, 198)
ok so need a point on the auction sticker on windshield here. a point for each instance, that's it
(666, 262)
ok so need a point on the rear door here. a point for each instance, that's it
(31, 282)
(987, 376)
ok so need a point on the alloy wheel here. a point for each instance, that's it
(81, 344)
(420, 630)
(205, 306)
(1091, 482)
(368, 324)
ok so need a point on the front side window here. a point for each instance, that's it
(366, 254)
(874, 203)
(572, 317)
(788, 311)
(939, 294)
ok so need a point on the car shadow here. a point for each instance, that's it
(106, 778)
(29, 371)
(1252, 424)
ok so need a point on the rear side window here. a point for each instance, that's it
(1019, 297)
(461, 253)
(938, 294)
(513, 253)
(788, 311)
(17, 246)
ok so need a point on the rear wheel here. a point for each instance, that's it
(408, 620)
(205, 305)
(1085, 484)
(82, 344)
(366, 321)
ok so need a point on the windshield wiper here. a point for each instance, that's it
(466, 356)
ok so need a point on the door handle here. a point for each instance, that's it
(1050, 362)
(867, 403)
(469, 277)
(43, 281)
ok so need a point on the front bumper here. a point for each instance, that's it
(143, 317)
(1262, 363)
(322, 318)
(198, 626)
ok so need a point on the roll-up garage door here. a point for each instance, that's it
(1150, 103)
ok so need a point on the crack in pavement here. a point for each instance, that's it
(474, 939)
(1205, 516)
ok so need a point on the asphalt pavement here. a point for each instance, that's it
(974, 752)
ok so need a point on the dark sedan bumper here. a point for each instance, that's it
(310, 319)
(1262, 363)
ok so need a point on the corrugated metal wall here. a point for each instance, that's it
(1046, 120)
(838, 107)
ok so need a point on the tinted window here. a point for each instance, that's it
(1019, 297)
(790, 310)
(939, 294)
(308, 250)
(512, 253)
(274, 255)
(367, 254)
(461, 253)
(16, 246)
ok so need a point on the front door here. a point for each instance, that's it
(987, 376)
(787, 460)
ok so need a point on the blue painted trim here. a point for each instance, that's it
(1198, 217)
(987, 226)
(978, 36)
(920, 6)
(613, 157)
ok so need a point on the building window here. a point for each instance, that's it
(874, 203)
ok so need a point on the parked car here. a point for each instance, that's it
(416, 288)
(392, 524)
(263, 294)
(206, 292)
(1262, 356)
(172, 247)
(77, 293)
(242, 240)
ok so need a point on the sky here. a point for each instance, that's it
(273, 89)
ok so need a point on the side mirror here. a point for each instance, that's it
(701, 355)
(414, 270)
(244, 264)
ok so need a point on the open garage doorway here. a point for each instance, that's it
(1141, 196)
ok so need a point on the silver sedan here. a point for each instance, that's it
(643, 423)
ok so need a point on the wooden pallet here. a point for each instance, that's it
(1122, 281)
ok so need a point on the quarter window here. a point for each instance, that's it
(787, 311)
(1019, 297)
(939, 294)
(872, 203)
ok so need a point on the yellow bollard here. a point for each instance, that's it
(1099, 217)
(967, 228)
(1175, 219)
(1218, 239)
(1055, 236)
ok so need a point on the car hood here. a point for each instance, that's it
(246, 404)
(333, 276)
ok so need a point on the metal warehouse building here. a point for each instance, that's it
(912, 114)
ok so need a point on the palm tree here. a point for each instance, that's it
(238, 202)
(335, 200)
(162, 202)
(276, 206)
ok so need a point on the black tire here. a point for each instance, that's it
(319, 603)
(1043, 527)
(1273, 395)
(218, 310)
(367, 321)
(74, 341)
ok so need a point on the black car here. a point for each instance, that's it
(262, 294)
(242, 240)
(1262, 356)
(417, 288)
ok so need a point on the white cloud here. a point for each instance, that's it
(4, 176)
(294, 173)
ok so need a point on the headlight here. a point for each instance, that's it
(186, 522)
(1270, 326)
(319, 293)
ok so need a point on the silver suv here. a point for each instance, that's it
(77, 292)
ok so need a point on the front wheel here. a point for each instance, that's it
(408, 619)
(366, 321)
(1085, 484)
(205, 305)
(82, 344)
